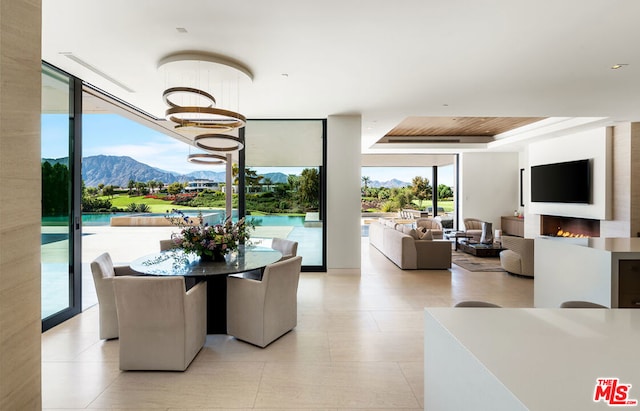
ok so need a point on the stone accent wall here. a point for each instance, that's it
(20, 326)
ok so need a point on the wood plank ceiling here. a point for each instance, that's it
(453, 129)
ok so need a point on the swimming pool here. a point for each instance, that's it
(102, 219)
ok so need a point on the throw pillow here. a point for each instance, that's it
(413, 233)
(428, 235)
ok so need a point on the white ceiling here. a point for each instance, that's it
(384, 60)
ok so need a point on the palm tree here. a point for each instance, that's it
(365, 181)
(131, 185)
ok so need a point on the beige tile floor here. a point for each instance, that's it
(358, 345)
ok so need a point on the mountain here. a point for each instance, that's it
(393, 183)
(275, 177)
(118, 170)
(218, 176)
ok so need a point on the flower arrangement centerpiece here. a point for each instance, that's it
(209, 242)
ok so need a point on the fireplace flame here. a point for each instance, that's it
(562, 233)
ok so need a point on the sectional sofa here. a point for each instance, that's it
(400, 243)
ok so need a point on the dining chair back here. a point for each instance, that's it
(103, 272)
(481, 304)
(162, 326)
(167, 245)
(259, 312)
(581, 304)
(288, 248)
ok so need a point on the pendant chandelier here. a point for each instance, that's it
(194, 110)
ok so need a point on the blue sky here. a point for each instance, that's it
(114, 135)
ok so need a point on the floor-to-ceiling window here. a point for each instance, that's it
(285, 184)
(60, 207)
(392, 183)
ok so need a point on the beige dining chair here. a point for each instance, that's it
(167, 245)
(259, 312)
(581, 304)
(104, 272)
(480, 304)
(162, 326)
(288, 248)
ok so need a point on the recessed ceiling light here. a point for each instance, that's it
(618, 66)
(181, 30)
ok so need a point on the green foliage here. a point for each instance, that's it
(174, 188)
(389, 206)
(55, 189)
(138, 208)
(96, 205)
(444, 191)
(309, 190)
(421, 189)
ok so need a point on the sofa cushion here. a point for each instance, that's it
(427, 235)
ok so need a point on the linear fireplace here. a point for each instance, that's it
(557, 226)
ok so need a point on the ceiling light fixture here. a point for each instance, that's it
(207, 158)
(618, 66)
(216, 142)
(192, 108)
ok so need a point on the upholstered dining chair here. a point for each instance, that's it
(259, 312)
(104, 272)
(162, 326)
(581, 304)
(288, 248)
(167, 245)
(482, 304)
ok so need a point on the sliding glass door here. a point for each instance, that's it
(60, 231)
(285, 185)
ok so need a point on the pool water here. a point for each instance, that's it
(102, 219)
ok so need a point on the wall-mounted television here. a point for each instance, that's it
(568, 182)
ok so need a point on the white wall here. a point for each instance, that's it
(488, 186)
(591, 144)
(343, 192)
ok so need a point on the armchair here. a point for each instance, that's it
(259, 312)
(162, 327)
(473, 227)
(518, 256)
(104, 272)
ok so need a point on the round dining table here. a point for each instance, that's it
(247, 259)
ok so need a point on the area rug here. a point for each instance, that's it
(476, 264)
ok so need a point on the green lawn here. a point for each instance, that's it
(446, 204)
(156, 205)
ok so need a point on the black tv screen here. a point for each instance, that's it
(568, 182)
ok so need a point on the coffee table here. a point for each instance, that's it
(456, 235)
(480, 250)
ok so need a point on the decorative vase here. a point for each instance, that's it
(487, 233)
(216, 257)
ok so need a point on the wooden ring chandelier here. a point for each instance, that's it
(205, 117)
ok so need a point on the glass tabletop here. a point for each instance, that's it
(177, 262)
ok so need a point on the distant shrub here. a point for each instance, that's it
(138, 208)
